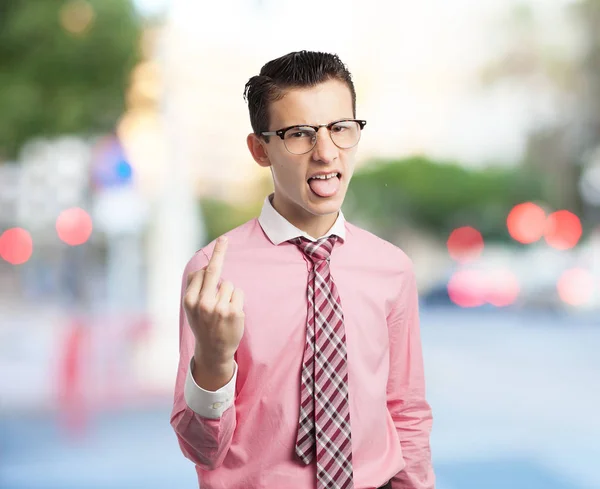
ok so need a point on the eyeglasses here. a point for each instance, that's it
(301, 139)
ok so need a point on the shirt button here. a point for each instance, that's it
(217, 405)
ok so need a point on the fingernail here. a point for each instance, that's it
(223, 239)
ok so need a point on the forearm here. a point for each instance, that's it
(204, 420)
(211, 375)
(204, 441)
(413, 421)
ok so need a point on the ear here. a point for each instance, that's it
(258, 150)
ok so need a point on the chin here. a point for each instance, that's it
(324, 206)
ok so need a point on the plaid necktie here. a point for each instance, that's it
(324, 408)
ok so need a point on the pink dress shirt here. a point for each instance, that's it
(242, 436)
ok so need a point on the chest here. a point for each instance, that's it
(276, 310)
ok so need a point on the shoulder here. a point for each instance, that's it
(380, 249)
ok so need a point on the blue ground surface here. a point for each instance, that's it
(515, 399)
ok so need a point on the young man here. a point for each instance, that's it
(300, 353)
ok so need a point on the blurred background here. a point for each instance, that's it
(122, 152)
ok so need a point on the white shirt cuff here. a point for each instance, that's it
(209, 404)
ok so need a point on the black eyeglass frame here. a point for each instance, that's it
(281, 132)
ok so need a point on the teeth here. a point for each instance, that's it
(325, 177)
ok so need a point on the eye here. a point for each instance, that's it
(341, 126)
(299, 134)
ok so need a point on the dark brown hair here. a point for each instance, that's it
(298, 69)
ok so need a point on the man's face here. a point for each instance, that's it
(327, 102)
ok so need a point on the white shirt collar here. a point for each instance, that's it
(278, 229)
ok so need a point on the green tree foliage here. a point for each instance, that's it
(221, 216)
(439, 196)
(55, 80)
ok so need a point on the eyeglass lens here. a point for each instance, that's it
(301, 139)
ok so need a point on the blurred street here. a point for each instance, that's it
(514, 396)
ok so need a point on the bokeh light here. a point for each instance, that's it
(563, 230)
(16, 246)
(77, 16)
(466, 288)
(111, 167)
(123, 170)
(502, 287)
(465, 244)
(526, 222)
(74, 226)
(576, 286)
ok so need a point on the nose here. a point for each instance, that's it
(325, 150)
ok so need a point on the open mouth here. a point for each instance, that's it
(325, 187)
(338, 175)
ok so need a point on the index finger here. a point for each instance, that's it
(214, 267)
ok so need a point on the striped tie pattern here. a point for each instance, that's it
(324, 426)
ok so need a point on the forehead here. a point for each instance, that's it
(320, 104)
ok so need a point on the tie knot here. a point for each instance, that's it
(315, 250)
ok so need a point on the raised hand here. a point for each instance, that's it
(215, 313)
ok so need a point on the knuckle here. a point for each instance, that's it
(194, 274)
(205, 306)
(238, 297)
(222, 310)
(227, 284)
(189, 301)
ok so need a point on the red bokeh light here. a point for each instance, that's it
(563, 230)
(466, 288)
(465, 244)
(16, 246)
(526, 222)
(576, 286)
(74, 226)
(502, 288)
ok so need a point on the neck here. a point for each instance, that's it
(318, 227)
(314, 226)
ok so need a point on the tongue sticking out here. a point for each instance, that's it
(324, 188)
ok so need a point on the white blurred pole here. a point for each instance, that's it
(175, 234)
(124, 272)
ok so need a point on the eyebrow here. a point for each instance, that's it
(309, 124)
